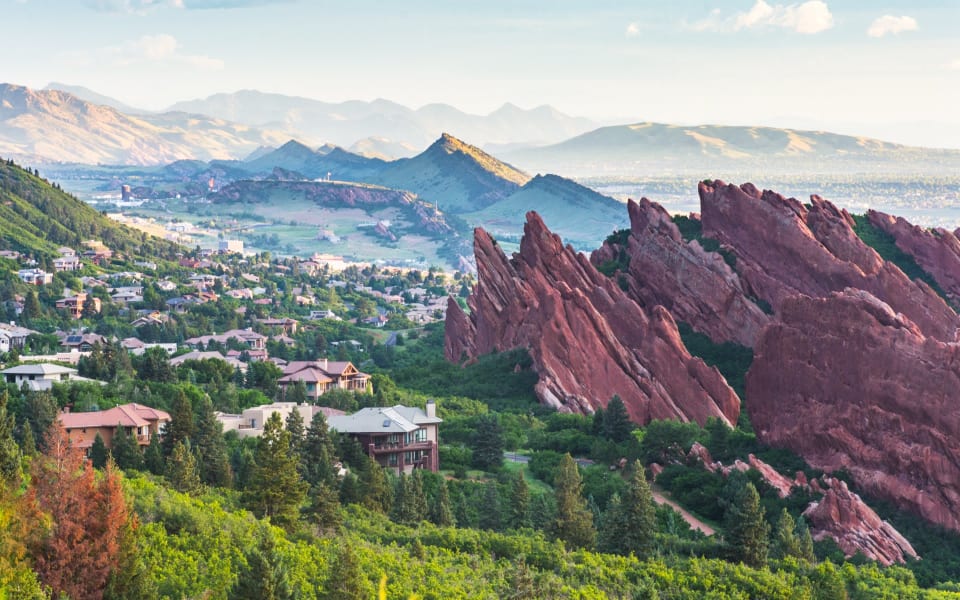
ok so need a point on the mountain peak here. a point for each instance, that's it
(450, 145)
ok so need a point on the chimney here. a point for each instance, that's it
(323, 363)
(431, 409)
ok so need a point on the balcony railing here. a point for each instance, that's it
(401, 446)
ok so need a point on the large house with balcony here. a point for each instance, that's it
(248, 337)
(321, 376)
(250, 422)
(40, 376)
(401, 438)
(82, 427)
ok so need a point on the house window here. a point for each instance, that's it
(420, 435)
(392, 460)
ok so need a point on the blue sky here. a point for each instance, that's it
(884, 68)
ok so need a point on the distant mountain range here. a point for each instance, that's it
(655, 148)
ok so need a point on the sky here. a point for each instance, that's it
(884, 68)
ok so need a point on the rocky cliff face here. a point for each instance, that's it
(696, 286)
(587, 338)
(855, 527)
(784, 248)
(846, 382)
(936, 251)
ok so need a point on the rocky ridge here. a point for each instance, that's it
(696, 286)
(588, 340)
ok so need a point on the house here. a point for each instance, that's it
(12, 336)
(250, 338)
(35, 276)
(197, 355)
(82, 342)
(82, 427)
(321, 376)
(398, 437)
(287, 325)
(250, 423)
(230, 247)
(165, 285)
(123, 295)
(66, 263)
(316, 315)
(42, 376)
(377, 321)
(11, 254)
(152, 318)
(74, 304)
(137, 347)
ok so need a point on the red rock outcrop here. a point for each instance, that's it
(846, 382)
(696, 286)
(784, 248)
(936, 251)
(588, 340)
(855, 527)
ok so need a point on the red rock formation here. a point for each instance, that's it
(845, 382)
(588, 340)
(696, 286)
(855, 527)
(781, 483)
(936, 251)
(784, 248)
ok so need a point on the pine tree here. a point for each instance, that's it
(9, 451)
(639, 515)
(210, 447)
(264, 576)
(31, 307)
(346, 581)
(324, 506)
(746, 529)
(153, 456)
(785, 542)
(180, 426)
(131, 578)
(318, 453)
(182, 469)
(126, 451)
(574, 522)
(488, 443)
(275, 489)
(417, 497)
(805, 541)
(490, 511)
(519, 512)
(296, 393)
(442, 513)
(612, 526)
(294, 425)
(616, 422)
(39, 411)
(28, 444)
(99, 453)
(350, 491)
(375, 488)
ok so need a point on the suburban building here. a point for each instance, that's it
(321, 376)
(198, 355)
(250, 423)
(74, 304)
(285, 324)
(82, 342)
(401, 438)
(82, 427)
(42, 376)
(251, 338)
(231, 247)
(35, 276)
(13, 337)
(66, 263)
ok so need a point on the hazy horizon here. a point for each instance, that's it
(890, 72)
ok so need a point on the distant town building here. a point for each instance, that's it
(40, 377)
(231, 246)
(35, 276)
(321, 376)
(74, 304)
(398, 437)
(250, 423)
(142, 421)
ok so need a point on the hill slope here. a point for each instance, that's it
(457, 176)
(37, 218)
(55, 126)
(579, 215)
(314, 164)
(627, 149)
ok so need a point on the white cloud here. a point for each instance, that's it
(133, 7)
(881, 26)
(808, 17)
(633, 29)
(955, 65)
(158, 49)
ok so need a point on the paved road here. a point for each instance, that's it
(391, 339)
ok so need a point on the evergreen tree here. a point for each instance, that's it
(274, 488)
(126, 451)
(180, 427)
(89, 309)
(347, 581)
(746, 529)
(574, 521)
(417, 497)
(131, 578)
(210, 447)
(182, 469)
(543, 512)
(28, 444)
(264, 575)
(522, 586)
(99, 453)
(785, 542)
(805, 541)
(400, 511)
(463, 511)
(490, 510)
(9, 451)
(519, 512)
(318, 453)
(39, 411)
(350, 491)
(442, 513)
(296, 393)
(612, 526)
(375, 488)
(324, 506)
(639, 515)
(488, 444)
(616, 422)
(294, 425)
(153, 456)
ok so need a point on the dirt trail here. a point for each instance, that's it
(694, 522)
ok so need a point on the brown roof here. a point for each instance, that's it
(308, 375)
(126, 415)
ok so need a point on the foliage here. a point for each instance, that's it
(488, 445)
(574, 522)
(732, 360)
(746, 530)
(275, 489)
